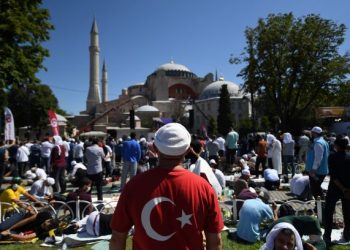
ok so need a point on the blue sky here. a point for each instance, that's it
(136, 36)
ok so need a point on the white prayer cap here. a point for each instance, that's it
(316, 130)
(245, 171)
(212, 161)
(50, 181)
(40, 173)
(172, 139)
(73, 163)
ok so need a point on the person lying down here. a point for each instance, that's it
(95, 224)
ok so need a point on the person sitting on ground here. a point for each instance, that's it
(272, 181)
(243, 192)
(40, 189)
(83, 194)
(300, 186)
(218, 173)
(245, 175)
(203, 169)
(35, 173)
(252, 214)
(305, 225)
(283, 236)
(31, 226)
(12, 196)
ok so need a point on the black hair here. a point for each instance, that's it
(84, 181)
(196, 146)
(285, 210)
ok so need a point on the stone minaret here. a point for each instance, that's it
(94, 93)
(104, 83)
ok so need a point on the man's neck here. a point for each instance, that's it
(170, 163)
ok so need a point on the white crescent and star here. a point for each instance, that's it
(146, 221)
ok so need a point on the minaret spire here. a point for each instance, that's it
(104, 83)
(94, 93)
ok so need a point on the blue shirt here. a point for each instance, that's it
(252, 213)
(131, 151)
(232, 139)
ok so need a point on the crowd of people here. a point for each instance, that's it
(180, 177)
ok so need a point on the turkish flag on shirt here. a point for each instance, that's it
(54, 122)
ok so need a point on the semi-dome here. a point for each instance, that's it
(147, 108)
(172, 66)
(213, 89)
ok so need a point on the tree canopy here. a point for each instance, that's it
(293, 63)
(225, 118)
(24, 26)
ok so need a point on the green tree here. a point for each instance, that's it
(24, 27)
(293, 63)
(225, 118)
(35, 101)
(212, 126)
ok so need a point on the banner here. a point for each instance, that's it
(330, 112)
(9, 125)
(54, 122)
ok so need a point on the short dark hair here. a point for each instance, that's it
(84, 181)
(196, 146)
(133, 135)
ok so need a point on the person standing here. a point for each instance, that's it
(94, 156)
(303, 144)
(58, 163)
(275, 148)
(261, 151)
(173, 207)
(288, 154)
(221, 141)
(131, 155)
(231, 144)
(22, 158)
(152, 154)
(339, 188)
(45, 153)
(78, 153)
(317, 162)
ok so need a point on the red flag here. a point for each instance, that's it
(54, 122)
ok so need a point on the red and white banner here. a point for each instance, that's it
(9, 125)
(54, 122)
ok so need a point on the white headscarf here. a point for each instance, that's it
(58, 142)
(270, 239)
(287, 138)
(270, 138)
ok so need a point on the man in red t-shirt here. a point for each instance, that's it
(169, 206)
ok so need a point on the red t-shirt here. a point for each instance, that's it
(169, 208)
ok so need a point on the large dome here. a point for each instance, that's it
(146, 108)
(213, 89)
(172, 66)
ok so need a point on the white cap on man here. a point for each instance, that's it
(172, 139)
(50, 181)
(212, 161)
(316, 130)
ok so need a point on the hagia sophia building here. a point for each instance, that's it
(172, 92)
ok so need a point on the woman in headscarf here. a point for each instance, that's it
(274, 153)
(58, 163)
(288, 153)
(283, 236)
